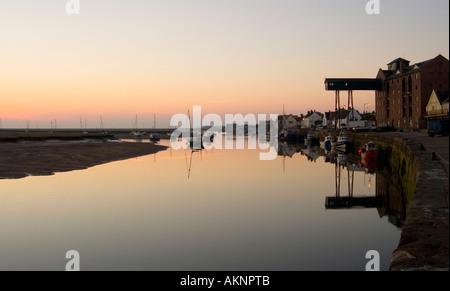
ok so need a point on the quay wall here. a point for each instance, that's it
(424, 240)
(401, 161)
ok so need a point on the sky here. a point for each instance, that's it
(118, 59)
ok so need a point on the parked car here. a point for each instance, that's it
(361, 129)
(438, 127)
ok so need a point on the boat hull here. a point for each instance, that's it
(370, 155)
(344, 146)
(327, 145)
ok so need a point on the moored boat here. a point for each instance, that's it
(327, 143)
(369, 152)
(342, 143)
(154, 137)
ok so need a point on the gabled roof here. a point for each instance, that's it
(311, 113)
(407, 70)
(442, 96)
(397, 60)
(424, 62)
(297, 118)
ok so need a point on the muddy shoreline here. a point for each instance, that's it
(43, 158)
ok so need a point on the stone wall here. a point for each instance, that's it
(424, 240)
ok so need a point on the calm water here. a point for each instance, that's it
(178, 210)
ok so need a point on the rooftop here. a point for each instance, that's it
(442, 96)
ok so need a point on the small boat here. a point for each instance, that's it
(342, 143)
(195, 144)
(138, 134)
(154, 137)
(370, 155)
(369, 152)
(327, 143)
(209, 135)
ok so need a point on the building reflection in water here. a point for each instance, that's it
(387, 198)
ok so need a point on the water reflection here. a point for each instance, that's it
(199, 210)
(189, 160)
(388, 197)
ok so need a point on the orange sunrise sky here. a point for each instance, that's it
(119, 59)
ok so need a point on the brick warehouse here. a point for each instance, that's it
(406, 90)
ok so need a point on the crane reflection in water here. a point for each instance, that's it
(385, 194)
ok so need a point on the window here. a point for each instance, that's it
(410, 86)
(403, 85)
(410, 105)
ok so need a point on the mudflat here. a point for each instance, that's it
(42, 158)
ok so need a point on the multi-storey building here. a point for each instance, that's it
(406, 90)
